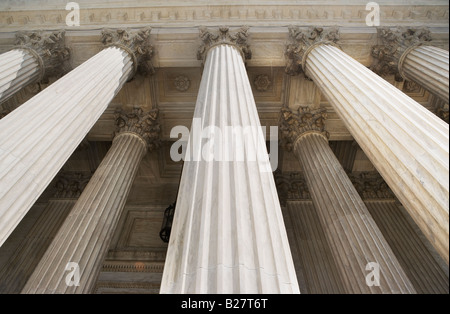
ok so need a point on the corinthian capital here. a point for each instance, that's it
(144, 124)
(302, 41)
(371, 185)
(395, 45)
(295, 124)
(49, 49)
(70, 185)
(136, 43)
(210, 38)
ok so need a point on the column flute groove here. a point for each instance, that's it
(36, 57)
(354, 238)
(405, 142)
(57, 119)
(228, 235)
(85, 236)
(20, 266)
(408, 53)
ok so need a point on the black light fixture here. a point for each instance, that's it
(164, 234)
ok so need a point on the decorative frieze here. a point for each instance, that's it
(136, 43)
(262, 14)
(302, 41)
(294, 124)
(395, 45)
(144, 124)
(210, 38)
(49, 50)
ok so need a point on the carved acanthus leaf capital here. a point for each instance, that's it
(70, 184)
(291, 186)
(302, 41)
(238, 38)
(371, 185)
(49, 49)
(136, 43)
(395, 45)
(144, 124)
(294, 125)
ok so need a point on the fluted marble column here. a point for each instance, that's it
(353, 235)
(36, 56)
(85, 236)
(424, 271)
(228, 234)
(37, 138)
(408, 54)
(319, 266)
(20, 266)
(407, 144)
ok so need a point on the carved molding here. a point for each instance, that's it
(262, 82)
(126, 266)
(49, 49)
(144, 124)
(136, 43)
(70, 184)
(395, 45)
(223, 35)
(302, 41)
(294, 125)
(152, 287)
(136, 255)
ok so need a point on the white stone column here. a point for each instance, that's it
(20, 266)
(228, 234)
(85, 236)
(408, 54)
(354, 238)
(37, 138)
(407, 144)
(36, 56)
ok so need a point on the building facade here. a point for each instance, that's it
(113, 111)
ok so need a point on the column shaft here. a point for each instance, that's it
(18, 68)
(407, 144)
(354, 238)
(428, 67)
(85, 236)
(228, 234)
(319, 267)
(22, 263)
(37, 138)
(422, 269)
